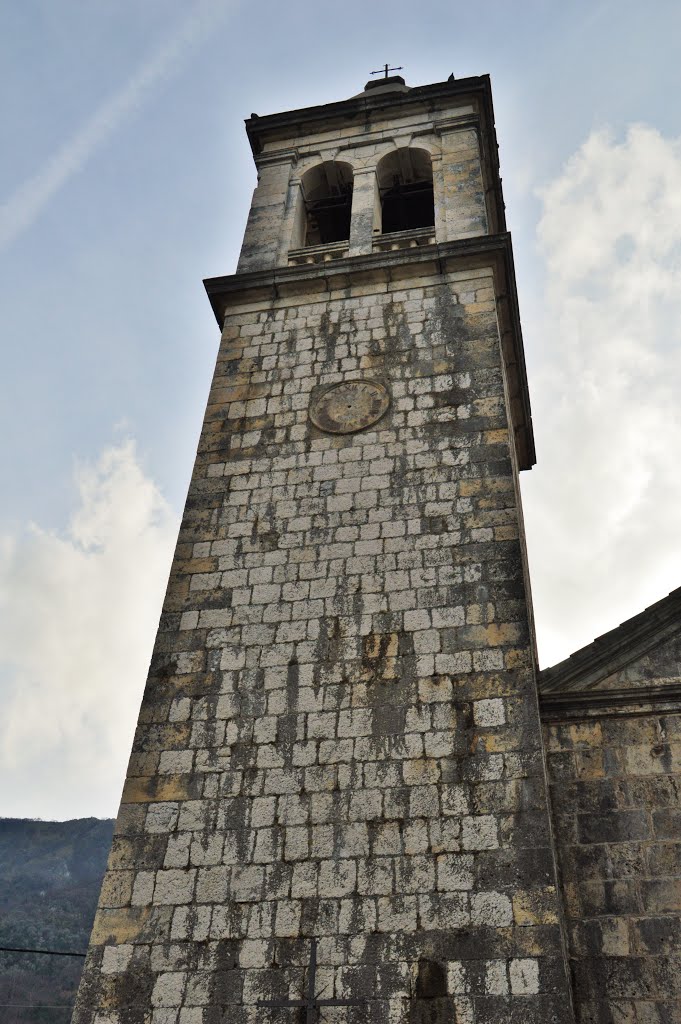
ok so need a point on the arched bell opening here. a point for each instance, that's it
(405, 182)
(327, 203)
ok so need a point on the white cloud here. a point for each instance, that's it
(602, 504)
(23, 207)
(78, 614)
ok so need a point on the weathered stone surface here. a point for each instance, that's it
(612, 738)
(340, 737)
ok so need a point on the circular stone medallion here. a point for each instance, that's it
(350, 406)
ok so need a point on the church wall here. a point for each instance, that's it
(616, 797)
(339, 736)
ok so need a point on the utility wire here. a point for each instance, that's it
(46, 952)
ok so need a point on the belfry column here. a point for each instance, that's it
(260, 246)
(365, 211)
(461, 191)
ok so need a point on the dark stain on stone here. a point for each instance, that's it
(263, 535)
(452, 397)
(328, 333)
(163, 666)
(434, 524)
(431, 1004)
(328, 643)
(133, 987)
(431, 980)
(388, 720)
(379, 651)
(292, 684)
(226, 979)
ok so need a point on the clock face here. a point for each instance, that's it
(350, 406)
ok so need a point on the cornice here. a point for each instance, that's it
(280, 156)
(429, 258)
(580, 704)
(460, 123)
(357, 108)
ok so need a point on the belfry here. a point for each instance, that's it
(336, 807)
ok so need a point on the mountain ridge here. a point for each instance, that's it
(50, 876)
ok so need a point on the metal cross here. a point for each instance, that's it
(310, 1001)
(385, 69)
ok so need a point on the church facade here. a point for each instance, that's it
(338, 804)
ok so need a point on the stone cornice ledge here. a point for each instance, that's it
(401, 266)
(634, 701)
(355, 109)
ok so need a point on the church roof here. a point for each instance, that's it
(618, 647)
(639, 660)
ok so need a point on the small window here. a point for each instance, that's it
(327, 198)
(405, 181)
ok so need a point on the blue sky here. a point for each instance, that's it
(126, 179)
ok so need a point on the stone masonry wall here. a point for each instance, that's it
(339, 736)
(616, 789)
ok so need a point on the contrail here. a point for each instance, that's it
(25, 205)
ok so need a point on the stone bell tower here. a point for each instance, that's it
(335, 807)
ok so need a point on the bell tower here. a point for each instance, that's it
(336, 805)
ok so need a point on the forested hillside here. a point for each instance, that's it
(50, 874)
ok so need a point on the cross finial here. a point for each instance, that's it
(385, 69)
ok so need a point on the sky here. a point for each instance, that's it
(126, 180)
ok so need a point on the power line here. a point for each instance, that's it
(37, 1006)
(45, 952)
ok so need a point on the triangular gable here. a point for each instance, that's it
(643, 652)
